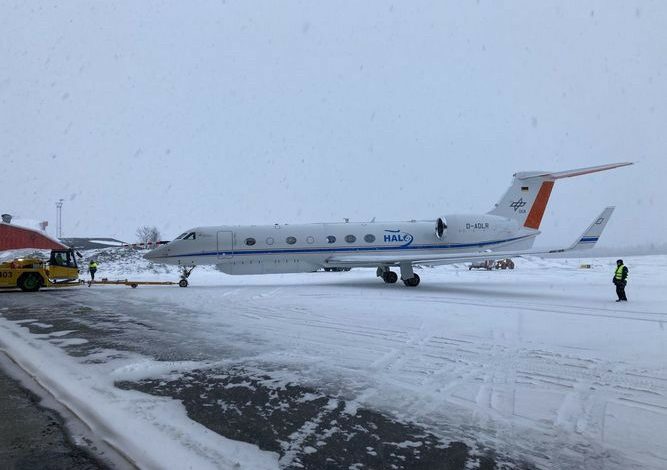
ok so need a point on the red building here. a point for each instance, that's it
(15, 237)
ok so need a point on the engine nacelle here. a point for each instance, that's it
(440, 227)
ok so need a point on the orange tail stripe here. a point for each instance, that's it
(539, 206)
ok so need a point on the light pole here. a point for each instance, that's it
(59, 218)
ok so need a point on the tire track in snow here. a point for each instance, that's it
(417, 362)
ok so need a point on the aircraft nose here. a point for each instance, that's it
(154, 254)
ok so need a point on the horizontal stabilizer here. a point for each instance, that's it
(580, 171)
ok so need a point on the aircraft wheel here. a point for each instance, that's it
(183, 283)
(30, 282)
(390, 277)
(414, 282)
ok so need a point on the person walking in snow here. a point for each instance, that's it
(620, 280)
(92, 269)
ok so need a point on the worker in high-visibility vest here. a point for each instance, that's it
(92, 269)
(620, 280)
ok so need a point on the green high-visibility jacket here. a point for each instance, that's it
(621, 273)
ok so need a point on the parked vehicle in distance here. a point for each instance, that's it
(506, 263)
(490, 264)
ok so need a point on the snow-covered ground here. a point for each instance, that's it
(539, 364)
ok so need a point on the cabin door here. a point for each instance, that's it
(225, 245)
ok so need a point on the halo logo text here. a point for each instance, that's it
(396, 236)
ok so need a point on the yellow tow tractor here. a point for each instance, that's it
(29, 274)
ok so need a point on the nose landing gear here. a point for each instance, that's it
(185, 274)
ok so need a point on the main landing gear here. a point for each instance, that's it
(185, 274)
(389, 277)
(408, 277)
(413, 281)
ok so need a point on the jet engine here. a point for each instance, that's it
(440, 227)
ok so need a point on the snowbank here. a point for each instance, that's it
(152, 432)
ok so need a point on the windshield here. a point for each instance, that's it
(62, 258)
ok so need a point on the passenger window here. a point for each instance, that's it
(250, 241)
(331, 239)
(350, 238)
(370, 238)
(310, 240)
(290, 240)
(269, 241)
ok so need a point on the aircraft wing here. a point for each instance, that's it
(585, 241)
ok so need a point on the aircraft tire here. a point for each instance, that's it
(183, 283)
(414, 282)
(390, 277)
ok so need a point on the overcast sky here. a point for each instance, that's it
(178, 114)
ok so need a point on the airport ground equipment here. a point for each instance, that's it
(61, 270)
(484, 264)
(489, 264)
(505, 263)
(30, 274)
(132, 284)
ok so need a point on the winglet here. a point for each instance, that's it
(590, 237)
(592, 234)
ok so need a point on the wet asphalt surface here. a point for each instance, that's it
(35, 437)
(307, 427)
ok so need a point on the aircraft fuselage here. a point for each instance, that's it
(267, 249)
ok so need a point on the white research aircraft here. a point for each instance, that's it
(507, 230)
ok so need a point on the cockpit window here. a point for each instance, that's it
(190, 236)
(182, 235)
